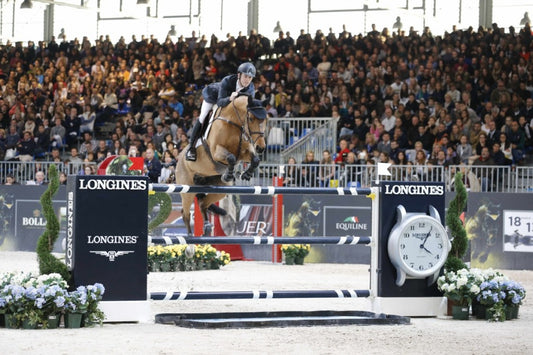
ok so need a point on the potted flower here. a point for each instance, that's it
(94, 314)
(514, 294)
(82, 306)
(76, 307)
(492, 296)
(295, 253)
(460, 287)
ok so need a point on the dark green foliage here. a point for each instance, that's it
(453, 263)
(455, 225)
(48, 263)
(165, 207)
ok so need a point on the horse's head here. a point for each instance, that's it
(256, 124)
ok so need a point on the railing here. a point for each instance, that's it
(476, 178)
(293, 137)
(25, 171)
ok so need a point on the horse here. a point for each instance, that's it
(235, 133)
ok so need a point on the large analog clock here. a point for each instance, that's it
(418, 245)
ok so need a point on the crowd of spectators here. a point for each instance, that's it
(452, 97)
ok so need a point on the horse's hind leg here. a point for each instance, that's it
(186, 202)
(204, 202)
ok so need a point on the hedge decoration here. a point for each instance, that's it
(48, 263)
(454, 261)
(165, 207)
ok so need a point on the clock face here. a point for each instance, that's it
(422, 245)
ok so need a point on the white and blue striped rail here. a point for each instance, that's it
(171, 240)
(258, 190)
(256, 294)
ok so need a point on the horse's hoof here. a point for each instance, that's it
(208, 227)
(246, 176)
(227, 177)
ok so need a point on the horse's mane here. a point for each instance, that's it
(240, 104)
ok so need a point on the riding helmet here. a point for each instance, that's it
(247, 68)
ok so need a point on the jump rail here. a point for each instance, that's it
(220, 295)
(171, 240)
(258, 190)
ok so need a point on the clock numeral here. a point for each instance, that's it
(405, 257)
(421, 225)
(430, 265)
(440, 245)
(402, 246)
(437, 256)
(437, 234)
(421, 267)
(406, 235)
(413, 228)
(412, 264)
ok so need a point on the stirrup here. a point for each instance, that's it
(191, 155)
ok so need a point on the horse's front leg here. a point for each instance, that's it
(249, 173)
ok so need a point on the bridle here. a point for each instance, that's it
(247, 135)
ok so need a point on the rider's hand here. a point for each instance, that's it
(233, 95)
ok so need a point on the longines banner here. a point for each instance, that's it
(101, 247)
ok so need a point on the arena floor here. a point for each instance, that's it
(424, 335)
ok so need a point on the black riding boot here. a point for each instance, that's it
(191, 153)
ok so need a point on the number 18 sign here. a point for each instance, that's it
(518, 231)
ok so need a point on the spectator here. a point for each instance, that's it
(26, 147)
(152, 167)
(62, 178)
(343, 152)
(517, 138)
(87, 119)
(310, 169)
(10, 180)
(327, 169)
(57, 133)
(292, 175)
(39, 179)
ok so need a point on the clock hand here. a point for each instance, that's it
(426, 238)
(423, 247)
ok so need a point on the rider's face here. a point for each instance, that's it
(245, 79)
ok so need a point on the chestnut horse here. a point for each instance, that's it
(235, 133)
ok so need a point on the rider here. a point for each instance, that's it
(222, 93)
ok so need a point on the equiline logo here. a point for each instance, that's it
(97, 184)
(351, 223)
(414, 190)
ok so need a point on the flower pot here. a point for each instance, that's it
(53, 320)
(73, 320)
(511, 311)
(154, 266)
(165, 267)
(28, 324)
(450, 303)
(10, 321)
(460, 312)
(481, 311)
(492, 314)
(289, 260)
(299, 260)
